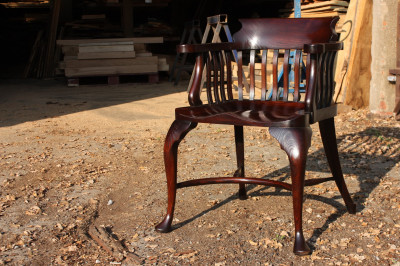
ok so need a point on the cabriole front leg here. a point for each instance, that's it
(295, 142)
(176, 133)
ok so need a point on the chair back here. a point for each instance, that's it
(268, 60)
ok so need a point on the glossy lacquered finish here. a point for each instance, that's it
(285, 110)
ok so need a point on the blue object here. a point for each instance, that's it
(297, 9)
(297, 14)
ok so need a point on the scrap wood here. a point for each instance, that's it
(34, 54)
(112, 245)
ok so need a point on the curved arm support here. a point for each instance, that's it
(312, 78)
(195, 90)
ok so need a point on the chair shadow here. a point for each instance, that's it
(351, 153)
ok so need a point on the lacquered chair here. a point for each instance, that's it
(287, 115)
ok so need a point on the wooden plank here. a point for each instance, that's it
(144, 54)
(324, 9)
(105, 43)
(317, 14)
(343, 57)
(70, 50)
(106, 55)
(106, 48)
(357, 82)
(111, 70)
(318, 4)
(33, 55)
(111, 62)
(134, 40)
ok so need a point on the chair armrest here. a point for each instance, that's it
(318, 48)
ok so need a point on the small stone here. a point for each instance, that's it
(110, 202)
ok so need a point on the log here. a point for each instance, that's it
(112, 245)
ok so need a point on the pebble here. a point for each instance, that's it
(110, 202)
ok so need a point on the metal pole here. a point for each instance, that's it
(297, 9)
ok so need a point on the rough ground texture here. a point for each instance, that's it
(72, 159)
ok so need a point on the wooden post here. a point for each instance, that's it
(127, 17)
(396, 71)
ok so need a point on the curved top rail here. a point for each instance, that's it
(286, 33)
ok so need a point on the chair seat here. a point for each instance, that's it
(247, 113)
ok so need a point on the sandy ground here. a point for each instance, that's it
(76, 158)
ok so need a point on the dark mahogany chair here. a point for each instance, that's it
(288, 115)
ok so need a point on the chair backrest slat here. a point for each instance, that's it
(321, 81)
(264, 74)
(240, 74)
(275, 75)
(297, 76)
(286, 69)
(208, 82)
(215, 77)
(222, 76)
(252, 75)
(228, 56)
(330, 77)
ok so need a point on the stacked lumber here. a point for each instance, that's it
(26, 4)
(110, 57)
(320, 8)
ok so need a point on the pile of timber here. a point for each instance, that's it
(26, 4)
(110, 58)
(320, 8)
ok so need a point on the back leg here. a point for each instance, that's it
(176, 133)
(328, 136)
(239, 143)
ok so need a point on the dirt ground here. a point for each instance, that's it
(74, 159)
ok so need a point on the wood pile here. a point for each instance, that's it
(110, 57)
(320, 8)
(26, 4)
(43, 56)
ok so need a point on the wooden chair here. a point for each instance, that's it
(287, 115)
